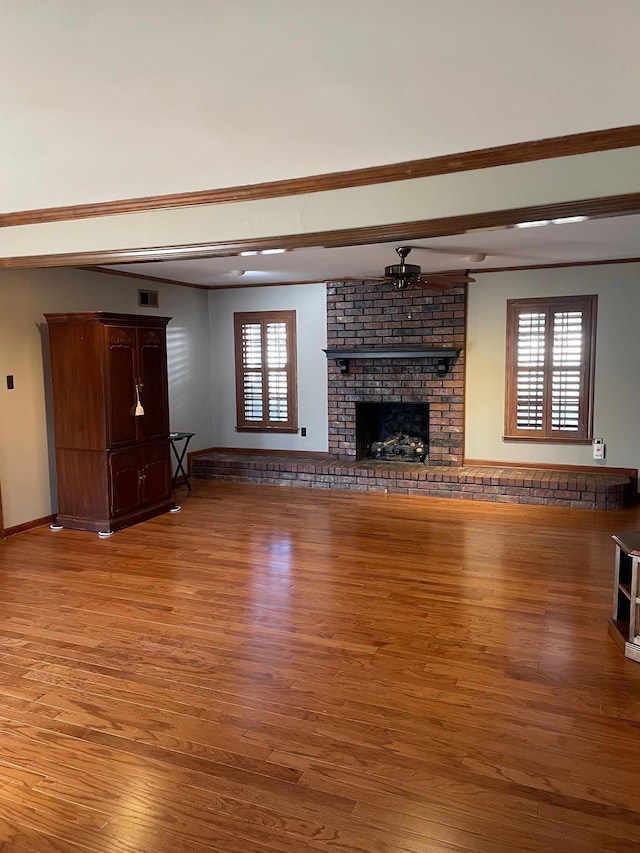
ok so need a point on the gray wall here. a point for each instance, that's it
(617, 376)
(27, 471)
(309, 303)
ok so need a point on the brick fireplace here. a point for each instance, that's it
(370, 314)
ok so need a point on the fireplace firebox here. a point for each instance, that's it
(392, 432)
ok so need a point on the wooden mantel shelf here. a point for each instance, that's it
(343, 355)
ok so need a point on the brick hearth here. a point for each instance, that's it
(501, 485)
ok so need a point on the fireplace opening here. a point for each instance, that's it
(392, 432)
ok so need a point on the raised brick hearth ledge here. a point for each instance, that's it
(579, 490)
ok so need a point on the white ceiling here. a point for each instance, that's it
(126, 99)
(107, 101)
(593, 240)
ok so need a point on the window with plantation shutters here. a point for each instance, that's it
(266, 380)
(549, 368)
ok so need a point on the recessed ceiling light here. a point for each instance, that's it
(272, 251)
(535, 224)
(564, 219)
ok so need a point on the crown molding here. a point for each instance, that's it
(141, 277)
(556, 266)
(178, 283)
(501, 155)
(593, 208)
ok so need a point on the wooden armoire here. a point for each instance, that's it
(111, 418)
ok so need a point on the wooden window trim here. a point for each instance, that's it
(263, 318)
(588, 306)
(261, 429)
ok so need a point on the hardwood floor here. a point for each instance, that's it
(305, 671)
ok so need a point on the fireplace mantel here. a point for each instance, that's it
(443, 355)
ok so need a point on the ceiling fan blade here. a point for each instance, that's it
(358, 278)
(454, 278)
(443, 281)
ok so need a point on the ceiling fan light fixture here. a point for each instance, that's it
(401, 282)
(477, 257)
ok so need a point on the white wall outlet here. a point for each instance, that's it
(598, 448)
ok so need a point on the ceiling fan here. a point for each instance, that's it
(403, 274)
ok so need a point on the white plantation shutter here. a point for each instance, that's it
(266, 370)
(549, 368)
(277, 373)
(530, 377)
(252, 371)
(567, 370)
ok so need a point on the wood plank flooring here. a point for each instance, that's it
(303, 671)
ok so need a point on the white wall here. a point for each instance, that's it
(26, 448)
(617, 377)
(309, 303)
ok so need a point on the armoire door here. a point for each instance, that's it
(121, 373)
(125, 480)
(139, 476)
(152, 379)
(155, 469)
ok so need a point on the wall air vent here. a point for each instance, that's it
(148, 298)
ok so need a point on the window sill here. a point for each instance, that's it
(543, 439)
(262, 429)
